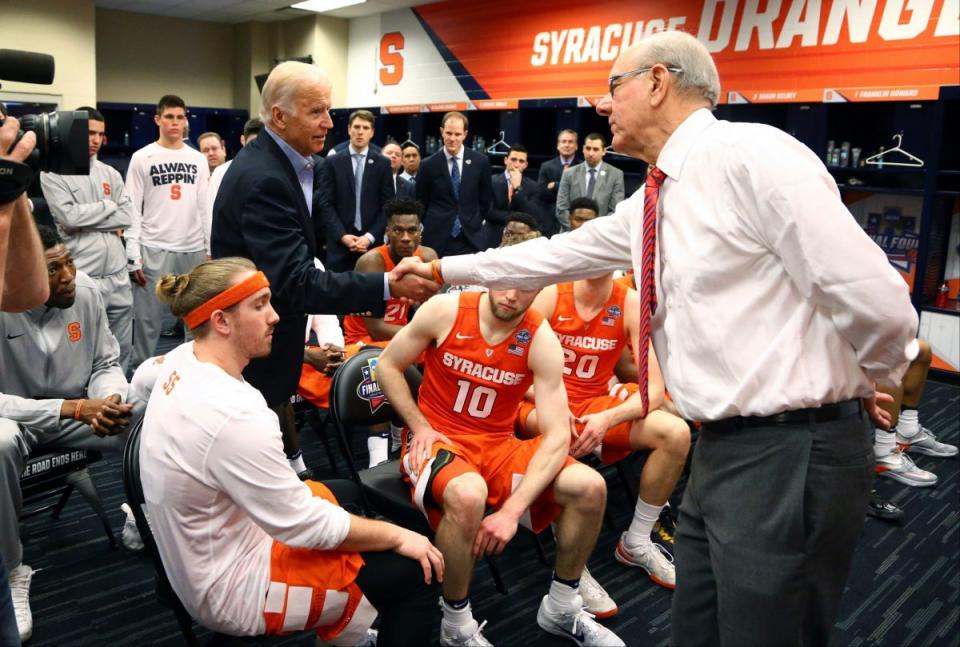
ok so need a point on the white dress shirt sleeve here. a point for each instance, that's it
(600, 246)
(798, 214)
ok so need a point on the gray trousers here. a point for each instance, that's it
(147, 309)
(16, 444)
(768, 524)
(118, 299)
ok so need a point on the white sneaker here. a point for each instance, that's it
(651, 557)
(19, 580)
(924, 442)
(595, 598)
(130, 537)
(578, 626)
(900, 467)
(469, 636)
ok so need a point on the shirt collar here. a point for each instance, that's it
(593, 168)
(459, 154)
(674, 152)
(298, 161)
(354, 151)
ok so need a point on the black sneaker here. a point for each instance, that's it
(882, 509)
(665, 530)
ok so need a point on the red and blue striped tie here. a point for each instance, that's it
(648, 291)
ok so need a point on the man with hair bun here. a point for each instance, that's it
(248, 547)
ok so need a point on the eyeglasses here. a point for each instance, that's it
(617, 79)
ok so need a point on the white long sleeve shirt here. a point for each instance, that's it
(219, 490)
(90, 210)
(771, 298)
(213, 187)
(168, 189)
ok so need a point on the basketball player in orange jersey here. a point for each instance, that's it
(594, 319)
(404, 230)
(483, 350)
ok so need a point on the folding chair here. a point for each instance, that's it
(134, 491)
(357, 401)
(60, 472)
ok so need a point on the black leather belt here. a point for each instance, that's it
(824, 413)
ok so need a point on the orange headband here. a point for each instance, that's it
(231, 296)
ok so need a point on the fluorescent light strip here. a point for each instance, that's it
(322, 6)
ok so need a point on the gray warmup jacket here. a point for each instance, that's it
(48, 355)
(89, 212)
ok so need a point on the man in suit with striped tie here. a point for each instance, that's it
(758, 290)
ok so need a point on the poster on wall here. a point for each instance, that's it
(893, 222)
(772, 51)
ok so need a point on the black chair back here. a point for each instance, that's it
(356, 400)
(134, 491)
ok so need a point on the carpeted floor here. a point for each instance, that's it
(903, 590)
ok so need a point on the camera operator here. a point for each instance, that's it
(18, 236)
(23, 272)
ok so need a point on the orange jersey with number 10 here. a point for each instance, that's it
(396, 312)
(591, 349)
(470, 389)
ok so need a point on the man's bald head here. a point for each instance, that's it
(677, 49)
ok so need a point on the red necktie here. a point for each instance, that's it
(645, 283)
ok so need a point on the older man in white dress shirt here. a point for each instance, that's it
(766, 327)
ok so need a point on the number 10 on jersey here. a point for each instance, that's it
(479, 402)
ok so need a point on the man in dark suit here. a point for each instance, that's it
(411, 160)
(404, 188)
(454, 186)
(357, 184)
(594, 178)
(512, 192)
(262, 212)
(552, 171)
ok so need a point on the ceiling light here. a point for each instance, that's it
(322, 6)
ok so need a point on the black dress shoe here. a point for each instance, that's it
(883, 509)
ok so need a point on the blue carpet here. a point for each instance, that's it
(903, 589)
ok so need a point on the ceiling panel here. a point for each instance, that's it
(235, 11)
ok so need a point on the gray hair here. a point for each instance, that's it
(679, 49)
(281, 87)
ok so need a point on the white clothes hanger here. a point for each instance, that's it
(492, 148)
(880, 158)
(409, 140)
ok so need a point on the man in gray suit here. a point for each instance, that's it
(592, 179)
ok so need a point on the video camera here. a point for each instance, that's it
(62, 146)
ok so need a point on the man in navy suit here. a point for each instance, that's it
(455, 188)
(403, 187)
(512, 192)
(551, 172)
(357, 183)
(263, 212)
